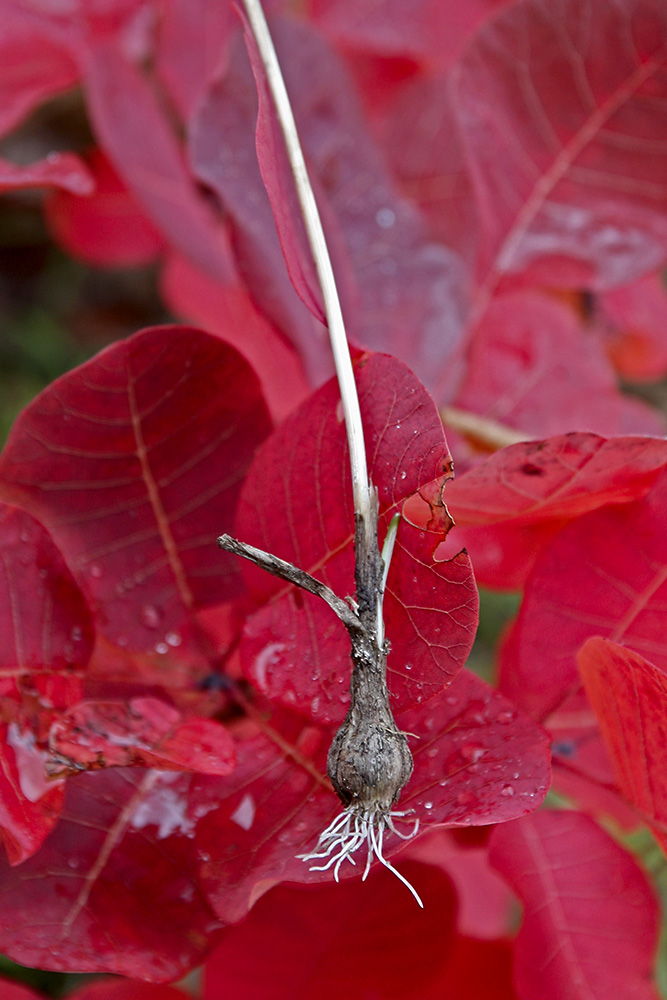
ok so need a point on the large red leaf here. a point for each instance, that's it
(508, 507)
(629, 697)
(134, 463)
(410, 290)
(142, 731)
(591, 919)
(562, 108)
(477, 761)
(108, 228)
(294, 648)
(45, 643)
(522, 373)
(318, 942)
(114, 888)
(135, 133)
(124, 989)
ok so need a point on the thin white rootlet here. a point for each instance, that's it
(348, 833)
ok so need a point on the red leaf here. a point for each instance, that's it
(634, 324)
(410, 290)
(108, 228)
(45, 643)
(477, 761)
(521, 373)
(135, 134)
(591, 919)
(14, 991)
(508, 507)
(562, 107)
(134, 462)
(61, 170)
(191, 46)
(33, 67)
(127, 990)
(277, 177)
(144, 732)
(229, 312)
(629, 697)
(303, 472)
(316, 942)
(113, 889)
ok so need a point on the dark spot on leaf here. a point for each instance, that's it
(529, 469)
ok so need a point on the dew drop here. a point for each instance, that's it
(472, 752)
(505, 717)
(95, 570)
(428, 805)
(452, 699)
(507, 791)
(76, 633)
(404, 475)
(173, 639)
(150, 616)
(385, 218)
(162, 648)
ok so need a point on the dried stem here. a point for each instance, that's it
(488, 433)
(355, 434)
(369, 761)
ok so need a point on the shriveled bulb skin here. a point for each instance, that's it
(369, 760)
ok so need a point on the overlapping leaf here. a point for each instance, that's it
(629, 697)
(45, 643)
(294, 649)
(562, 110)
(130, 238)
(114, 888)
(509, 506)
(633, 323)
(134, 462)
(477, 761)
(410, 290)
(142, 731)
(590, 926)
(59, 170)
(404, 956)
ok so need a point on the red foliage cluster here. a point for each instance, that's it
(492, 180)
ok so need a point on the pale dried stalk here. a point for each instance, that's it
(369, 761)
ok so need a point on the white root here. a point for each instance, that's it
(348, 833)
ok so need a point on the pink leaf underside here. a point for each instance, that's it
(633, 322)
(591, 920)
(191, 46)
(59, 170)
(615, 589)
(108, 228)
(430, 32)
(32, 69)
(134, 462)
(114, 888)
(477, 761)
(510, 506)
(521, 373)
(295, 649)
(276, 174)
(135, 133)
(45, 643)
(144, 732)
(230, 313)
(409, 290)
(568, 100)
(406, 953)
(629, 698)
